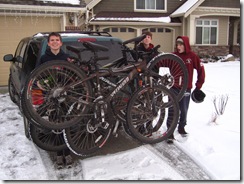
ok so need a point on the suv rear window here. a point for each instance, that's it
(114, 52)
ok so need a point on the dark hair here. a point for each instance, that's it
(148, 33)
(54, 34)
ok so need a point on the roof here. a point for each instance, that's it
(132, 16)
(186, 9)
(65, 3)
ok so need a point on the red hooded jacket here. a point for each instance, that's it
(192, 61)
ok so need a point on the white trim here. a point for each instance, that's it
(41, 8)
(187, 8)
(117, 23)
(151, 10)
(31, 14)
(131, 19)
(91, 4)
(208, 11)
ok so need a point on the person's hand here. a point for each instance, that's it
(70, 60)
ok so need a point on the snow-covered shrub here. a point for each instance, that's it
(220, 103)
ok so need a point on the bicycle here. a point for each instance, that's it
(75, 115)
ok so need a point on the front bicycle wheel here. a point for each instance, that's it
(88, 136)
(170, 65)
(54, 95)
(149, 110)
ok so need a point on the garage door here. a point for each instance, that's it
(161, 36)
(123, 33)
(14, 28)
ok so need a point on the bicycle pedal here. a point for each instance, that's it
(69, 166)
(59, 167)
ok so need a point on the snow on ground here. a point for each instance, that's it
(214, 146)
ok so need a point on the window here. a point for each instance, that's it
(152, 30)
(160, 30)
(114, 29)
(123, 29)
(106, 30)
(206, 32)
(20, 51)
(149, 5)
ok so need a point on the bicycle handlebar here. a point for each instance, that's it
(136, 39)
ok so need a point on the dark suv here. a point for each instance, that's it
(30, 49)
(28, 54)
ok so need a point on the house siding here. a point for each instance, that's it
(128, 5)
(222, 3)
(115, 6)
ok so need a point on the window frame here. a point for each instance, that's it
(210, 26)
(151, 10)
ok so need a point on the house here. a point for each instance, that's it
(21, 18)
(213, 26)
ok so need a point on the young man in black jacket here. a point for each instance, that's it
(54, 52)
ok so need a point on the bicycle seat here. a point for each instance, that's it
(95, 47)
(74, 49)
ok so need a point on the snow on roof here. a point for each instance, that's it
(182, 10)
(139, 19)
(74, 2)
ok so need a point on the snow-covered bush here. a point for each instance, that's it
(220, 103)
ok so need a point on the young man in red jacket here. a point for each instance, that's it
(192, 61)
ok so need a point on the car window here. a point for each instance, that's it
(114, 52)
(19, 54)
(31, 57)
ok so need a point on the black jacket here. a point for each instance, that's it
(48, 56)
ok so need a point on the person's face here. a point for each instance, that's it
(180, 47)
(147, 40)
(55, 43)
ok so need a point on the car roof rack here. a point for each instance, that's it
(93, 33)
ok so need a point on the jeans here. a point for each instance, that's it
(184, 105)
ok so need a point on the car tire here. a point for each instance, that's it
(26, 127)
(11, 90)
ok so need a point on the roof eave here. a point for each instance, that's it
(189, 11)
(130, 23)
(41, 8)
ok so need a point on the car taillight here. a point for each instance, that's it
(37, 97)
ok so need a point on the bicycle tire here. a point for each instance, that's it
(84, 138)
(27, 118)
(147, 114)
(49, 98)
(46, 139)
(173, 64)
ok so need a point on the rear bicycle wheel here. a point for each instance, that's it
(148, 112)
(46, 139)
(54, 95)
(167, 63)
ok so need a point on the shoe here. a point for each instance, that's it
(182, 131)
(171, 139)
(60, 162)
(69, 161)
